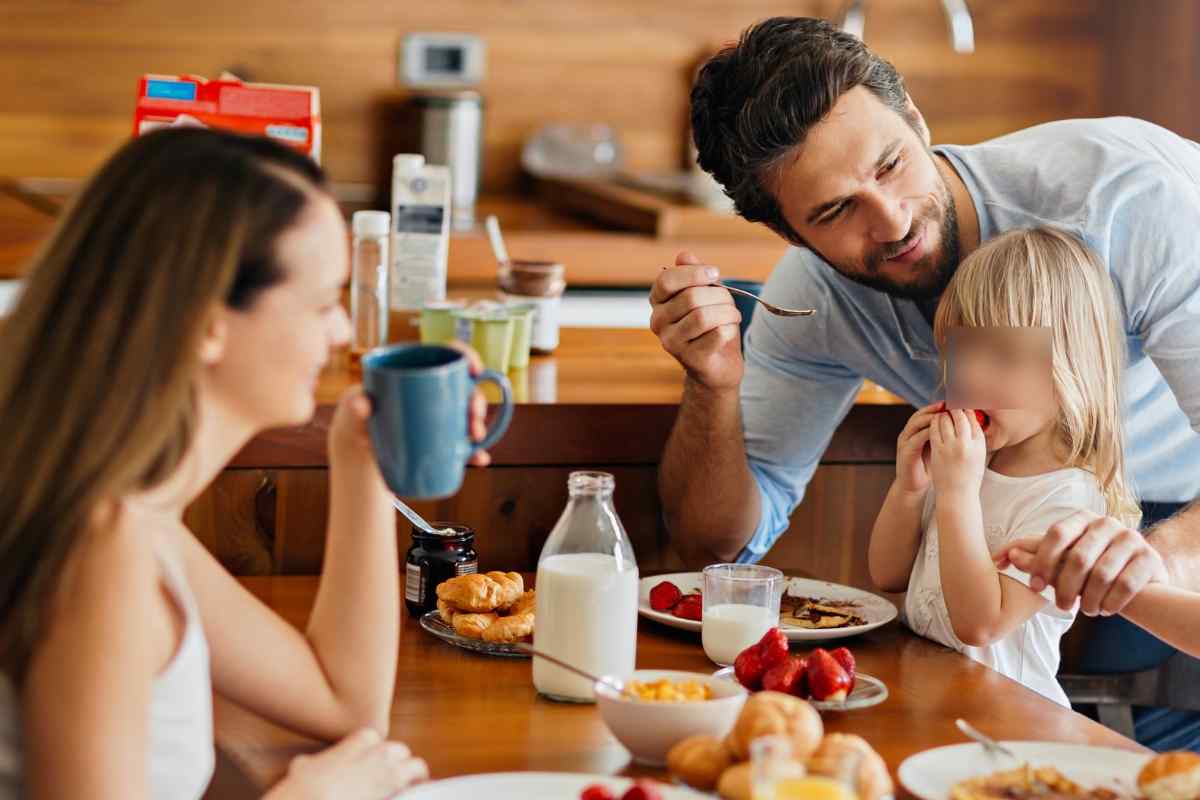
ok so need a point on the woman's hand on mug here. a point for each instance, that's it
(363, 766)
(349, 437)
(477, 407)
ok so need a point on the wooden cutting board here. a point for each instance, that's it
(641, 211)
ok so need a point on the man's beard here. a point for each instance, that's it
(932, 273)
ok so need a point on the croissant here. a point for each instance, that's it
(472, 626)
(525, 603)
(509, 629)
(511, 587)
(473, 593)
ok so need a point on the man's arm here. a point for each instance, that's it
(1177, 540)
(743, 448)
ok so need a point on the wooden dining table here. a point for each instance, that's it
(467, 713)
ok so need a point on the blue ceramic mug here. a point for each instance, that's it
(744, 304)
(420, 395)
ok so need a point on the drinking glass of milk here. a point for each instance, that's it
(741, 603)
(587, 593)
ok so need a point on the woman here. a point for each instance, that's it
(187, 301)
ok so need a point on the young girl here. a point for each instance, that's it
(1028, 331)
(187, 301)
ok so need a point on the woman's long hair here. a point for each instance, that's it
(101, 351)
(1044, 277)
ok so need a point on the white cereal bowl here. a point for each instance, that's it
(649, 729)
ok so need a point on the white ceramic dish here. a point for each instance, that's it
(931, 774)
(649, 729)
(877, 611)
(533, 786)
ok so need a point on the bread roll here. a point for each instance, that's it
(1171, 776)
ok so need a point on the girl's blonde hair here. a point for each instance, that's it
(1046, 278)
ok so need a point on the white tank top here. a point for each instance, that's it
(181, 754)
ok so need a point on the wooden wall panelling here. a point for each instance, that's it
(68, 69)
(235, 519)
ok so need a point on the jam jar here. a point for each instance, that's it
(433, 558)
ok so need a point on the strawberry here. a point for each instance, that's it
(773, 647)
(800, 689)
(748, 668)
(690, 606)
(826, 678)
(597, 791)
(980, 416)
(642, 789)
(784, 676)
(846, 660)
(664, 596)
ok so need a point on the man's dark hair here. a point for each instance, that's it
(755, 101)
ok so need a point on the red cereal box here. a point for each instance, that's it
(288, 114)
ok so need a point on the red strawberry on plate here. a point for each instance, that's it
(597, 791)
(774, 647)
(642, 789)
(690, 606)
(801, 687)
(784, 676)
(749, 669)
(846, 660)
(664, 596)
(826, 678)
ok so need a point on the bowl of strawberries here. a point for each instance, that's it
(829, 679)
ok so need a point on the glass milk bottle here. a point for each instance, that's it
(587, 593)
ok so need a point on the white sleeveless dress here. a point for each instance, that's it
(181, 754)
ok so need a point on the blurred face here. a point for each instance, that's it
(273, 352)
(1006, 373)
(866, 194)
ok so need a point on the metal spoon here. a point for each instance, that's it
(492, 224)
(776, 310)
(417, 519)
(990, 745)
(614, 683)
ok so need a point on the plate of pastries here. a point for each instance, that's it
(1051, 771)
(489, 612)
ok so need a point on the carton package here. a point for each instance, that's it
(288, 114)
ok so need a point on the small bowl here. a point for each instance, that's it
(649, 729)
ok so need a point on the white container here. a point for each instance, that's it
(587, 593)
(420, 232)
(543, 337)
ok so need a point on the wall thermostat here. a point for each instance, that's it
(441, 60)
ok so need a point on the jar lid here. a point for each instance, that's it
(445, 532)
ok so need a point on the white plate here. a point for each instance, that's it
(929, 775)
(533, 786)
(874, 609)
(868, 691)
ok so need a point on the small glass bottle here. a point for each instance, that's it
(369, 282)
(587, 593)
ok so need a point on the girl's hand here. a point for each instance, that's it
(912, 454)
(360, 766)
(958, 453)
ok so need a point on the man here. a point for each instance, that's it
(814, 136)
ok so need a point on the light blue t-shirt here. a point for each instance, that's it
(1129, 189)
